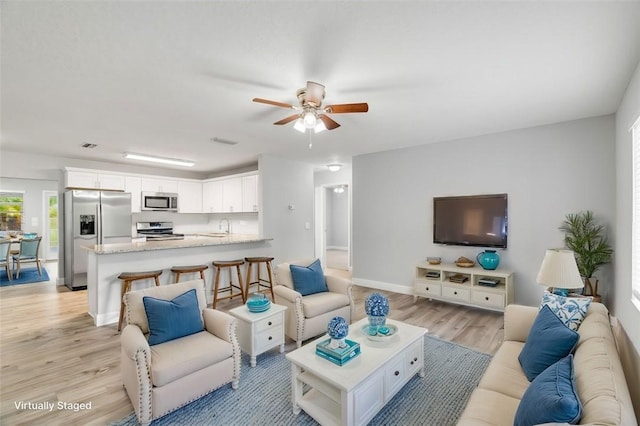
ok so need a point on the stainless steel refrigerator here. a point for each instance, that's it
(90, 218)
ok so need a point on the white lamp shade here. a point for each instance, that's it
(559, 270)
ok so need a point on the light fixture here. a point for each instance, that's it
(319, 127)
(299, 125)
(338, 189)
(334, 167)
(155, 159)
(308, 120)
(560, 271)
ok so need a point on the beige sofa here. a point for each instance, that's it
(599, 376)
(308, 316)
(161, 378)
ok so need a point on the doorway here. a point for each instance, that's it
(50, 243)
(336, 214)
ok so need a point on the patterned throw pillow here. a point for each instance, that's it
(570, 310)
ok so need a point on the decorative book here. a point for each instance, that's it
(458, 278)
(338, 361)
(338, 356)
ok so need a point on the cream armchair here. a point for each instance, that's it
(163, 377)
(308, 316)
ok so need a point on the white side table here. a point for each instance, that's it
(259, 332)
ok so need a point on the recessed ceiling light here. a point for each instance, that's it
(334, 167)
(155, 159)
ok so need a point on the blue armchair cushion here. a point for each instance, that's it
(308, 279)
(172, 319)
(549, 340)
(551, 397)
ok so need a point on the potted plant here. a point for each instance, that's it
(586, 238)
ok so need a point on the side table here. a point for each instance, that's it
(259, 332)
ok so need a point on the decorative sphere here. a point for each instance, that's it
(376, 305)
(338, 328)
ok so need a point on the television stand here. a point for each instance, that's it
(465, 286)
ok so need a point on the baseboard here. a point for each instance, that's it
(341, 248)
(380, 285)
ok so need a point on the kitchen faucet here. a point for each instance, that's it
(228, 225)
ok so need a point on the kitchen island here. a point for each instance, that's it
(107, 261)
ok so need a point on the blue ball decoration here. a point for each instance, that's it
(377, 305)
(338, 328)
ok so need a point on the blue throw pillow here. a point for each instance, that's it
(551, 398)
(549, 340)
(171, 319)
(308, 279)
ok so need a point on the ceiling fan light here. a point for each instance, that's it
(310, 120)
(320, 127)
(299, 125)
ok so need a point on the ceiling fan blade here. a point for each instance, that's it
(329, 123)
(346, 108)
(314, 93)
(287, 120)
(276, 103)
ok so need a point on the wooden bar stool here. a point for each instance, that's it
(259, 281)
(189, 269)
(219, 265)
(129, 277)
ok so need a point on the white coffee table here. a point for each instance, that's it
(354, 393)
(260, 332)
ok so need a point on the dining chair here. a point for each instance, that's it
(5, 259)
(28, 253)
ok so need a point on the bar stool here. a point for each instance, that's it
(259, 281)
(189, 269)
(219, 265)
(129, 277)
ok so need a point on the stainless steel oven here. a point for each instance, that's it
(159, 201)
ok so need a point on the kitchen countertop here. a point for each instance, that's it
(193, 240)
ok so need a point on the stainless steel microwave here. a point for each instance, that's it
(159, 201)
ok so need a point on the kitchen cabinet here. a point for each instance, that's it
(250, 193)
(212, 197)
(93, 180)
(232, 195)
(189, 197)
(133, 185)
(159, 185)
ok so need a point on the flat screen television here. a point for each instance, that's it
(473, 220)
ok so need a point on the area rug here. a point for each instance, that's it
(264, 395)
(27, 276)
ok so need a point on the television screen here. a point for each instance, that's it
(476, 220)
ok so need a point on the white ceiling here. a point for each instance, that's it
(165, 77)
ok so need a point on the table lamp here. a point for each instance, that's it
(560, 271)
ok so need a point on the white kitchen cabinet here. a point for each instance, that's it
(212, 197)
(133, 185)
(189, 197)
(250, 193)
(159, 185)
(232, 195)
(94, 180)
(488, 289)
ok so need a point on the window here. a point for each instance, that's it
(635, 224)
(11, 211)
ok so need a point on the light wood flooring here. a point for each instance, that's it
(50, 351)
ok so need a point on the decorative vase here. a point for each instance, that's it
(377, 320)
(376, 306)
(488, 259)
(338, 328)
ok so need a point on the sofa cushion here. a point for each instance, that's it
(548, 341)
(321, 303)
(180, 357)
(570, 310)
(488, 408)
(172, 319)
(308, 279)
(504, 374)
(551, 397)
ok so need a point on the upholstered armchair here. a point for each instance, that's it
(162, 377)
(308, 316)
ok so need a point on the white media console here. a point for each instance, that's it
(472, 286)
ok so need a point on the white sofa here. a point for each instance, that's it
(598, 373)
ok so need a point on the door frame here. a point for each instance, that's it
(46, 230)
(321, 220)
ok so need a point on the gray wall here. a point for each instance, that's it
(547, 172)
(33, 201)
(337, 215)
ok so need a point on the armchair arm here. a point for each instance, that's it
(338, 284)
(220, 324)
(135, 368)
(518, 320)
(286, 293)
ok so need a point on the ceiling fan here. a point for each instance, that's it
(310, 113)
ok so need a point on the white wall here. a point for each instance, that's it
(547, 171)
(287, 183)
(620, 302)
(337, 214)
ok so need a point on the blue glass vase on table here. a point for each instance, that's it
(376, 307)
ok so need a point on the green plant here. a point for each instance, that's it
(586, 238)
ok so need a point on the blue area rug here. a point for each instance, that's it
(264, 395)
(27, 276)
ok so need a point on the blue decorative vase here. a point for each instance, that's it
(377, 320)
(376, 306)
(488, 259)
(338, 328)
